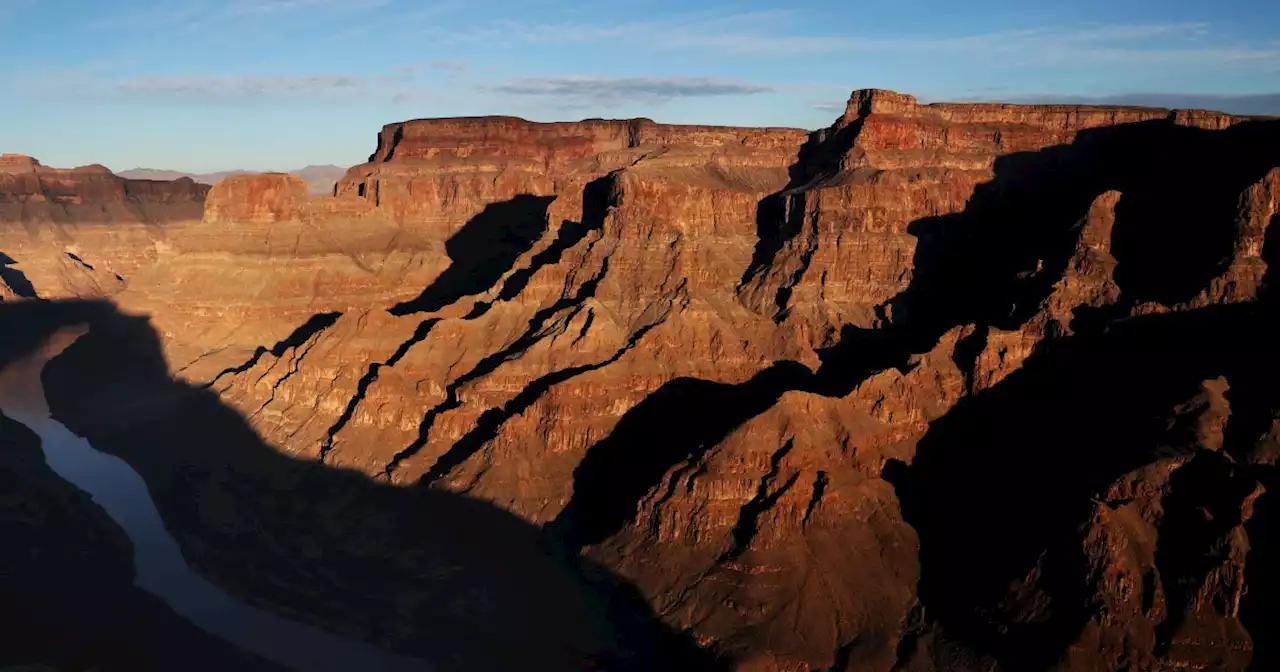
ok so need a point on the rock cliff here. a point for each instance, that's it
(940, 387)
(81, 232)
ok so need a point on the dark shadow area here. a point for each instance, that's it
(1171, 227)
(766, 497)
(530, 337)
(314, 325)
(370, 377)
(67, 600)
(15, 279)
(773, 229)
(992, 263)
(1255, 405)
(779, 217)
(1005, 480)
(1205, 504)
(1271, 255)
(483, 250)
(598, 196)
(457, 582)
(678, 422)
(1260, 608)
(393, 146)
(1011, 472)
(76, 258)
(491, 420)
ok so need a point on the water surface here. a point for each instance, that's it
(160, 567)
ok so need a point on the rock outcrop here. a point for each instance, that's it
(31, 193)
(940, 387)
(82, 232)
(320, 180)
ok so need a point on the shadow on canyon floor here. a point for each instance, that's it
(780, 216)
(15, 279)
(455, 581)
(994, 262)
(598, 197)
(1012, 471)
(67, 598)
(682, 419)
(483, 250)
(1003, 483)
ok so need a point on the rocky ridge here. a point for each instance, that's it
(793, 387)
(83, 231)
(319, 179)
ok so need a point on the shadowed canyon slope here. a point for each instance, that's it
(940, 387)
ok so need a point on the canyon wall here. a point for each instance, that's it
(81, 232)
(940, 387)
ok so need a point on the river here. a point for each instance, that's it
(160, 567)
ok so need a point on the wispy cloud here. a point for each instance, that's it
(448, 65)
(227, 87)
(230, 89)
(205, 17)
(1267, 104)
(266, 7)
(775, 34)
(609, 91)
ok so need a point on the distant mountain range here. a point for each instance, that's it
(319, 179)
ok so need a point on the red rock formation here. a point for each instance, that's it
(80, 232)
(1168, 546)
(889, 163)
(33, 193)
(256, 199)
(829, 401)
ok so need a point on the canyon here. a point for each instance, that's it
(938, 387)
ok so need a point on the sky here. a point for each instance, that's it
(205, 85)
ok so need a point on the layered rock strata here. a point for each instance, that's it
(939, 387)
(83, 232)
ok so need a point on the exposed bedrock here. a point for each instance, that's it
(940, 387)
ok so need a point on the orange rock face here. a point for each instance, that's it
(32, 193)
(940, 387)
(256, 199)
(82, 232)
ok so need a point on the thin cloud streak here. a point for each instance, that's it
(267, 7)
(1264, 104)
(223, 16)
(448, 65)
(223, 87)
(571, 91)
(250, 88)
(1189, 44)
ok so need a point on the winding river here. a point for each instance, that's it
(160, 568)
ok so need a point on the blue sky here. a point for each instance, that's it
(204, 85)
